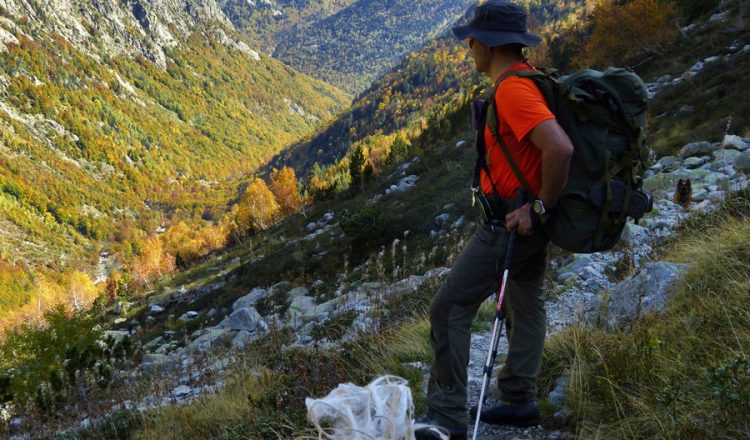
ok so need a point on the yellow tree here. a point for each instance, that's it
(81, 290)
(258, 209)
(283, 185)
(153, 262)
(624, 33)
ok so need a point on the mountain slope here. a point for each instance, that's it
(343, 42)
(116, 113)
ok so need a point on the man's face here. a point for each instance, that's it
(481, 54)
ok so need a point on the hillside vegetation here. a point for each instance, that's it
(105, 150)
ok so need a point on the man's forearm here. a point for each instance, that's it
(555, 167)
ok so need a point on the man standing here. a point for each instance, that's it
(542, 151)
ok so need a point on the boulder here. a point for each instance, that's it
(182, 391)
(251, 299)
(574, 265)
(243, 338)
(557, 396)
(279, 287)
(742, 162)
(669, 163)
(694, 162)
(301, 306)
(188, 316)
(726, 155)
(213, 338)
(442, 220)
(646, 292)
(297, 291)
(156, 342)
(735, 142)
(696, 149)
(246, 318)
(155, 309)
(117, 335)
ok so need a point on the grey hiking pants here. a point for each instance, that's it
(475, 275)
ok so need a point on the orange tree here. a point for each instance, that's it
(628, 32)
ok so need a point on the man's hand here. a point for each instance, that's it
(520, 218)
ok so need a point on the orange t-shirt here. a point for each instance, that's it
(520, 107)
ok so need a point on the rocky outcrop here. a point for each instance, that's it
(115, 27)
(646, 292)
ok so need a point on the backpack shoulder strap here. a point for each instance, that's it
(493, 124)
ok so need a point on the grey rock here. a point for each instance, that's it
(297, 291)
(699, 195)
(246, 318)
(686, 109)
(727, 154)
(714, 178)
(251, 299)
(669, 163)
(155, 309)
(182, 391)
(154, 343)
(311, 226)
(243, 338)
(712, 59)
(442, 220)
(301, 306)
(664, 79)
(152, 362)
(189, 316)
(211, 339)
(634, 235)
(696, 149)
(742, 162)
(557, 397)
(280, 287)
(735, 142)
(459, 223)
(720, 16)
(117, 335)
(403, 185)
(694, 162)
(460, 144)
(576, 264)
(119, 321)
(643, 293)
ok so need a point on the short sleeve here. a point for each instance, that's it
(521, 105)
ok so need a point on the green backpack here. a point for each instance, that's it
(604, 114)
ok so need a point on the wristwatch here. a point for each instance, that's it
(539, 207)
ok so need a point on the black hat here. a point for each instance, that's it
(497, 23)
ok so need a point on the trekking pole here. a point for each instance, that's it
(497, 329)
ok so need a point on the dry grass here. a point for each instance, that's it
(683, 374)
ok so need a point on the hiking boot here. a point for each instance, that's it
(427, 433)
(512, 414)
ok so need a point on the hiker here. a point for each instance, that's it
(497, 36)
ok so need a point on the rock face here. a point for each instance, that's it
(646, 292)
(117, 27)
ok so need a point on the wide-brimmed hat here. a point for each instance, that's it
(497, 23)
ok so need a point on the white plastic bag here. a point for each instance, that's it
(382, 410)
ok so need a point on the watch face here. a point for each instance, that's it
(539, 207)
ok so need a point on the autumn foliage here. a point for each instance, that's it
(283, 185)
(625, 33)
